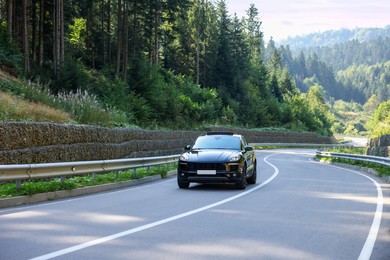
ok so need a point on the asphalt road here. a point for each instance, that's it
(299, 209)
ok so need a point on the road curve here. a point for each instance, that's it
(299, 209)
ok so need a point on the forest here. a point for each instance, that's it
(165, 64)
(352, 66)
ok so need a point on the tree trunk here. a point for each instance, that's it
(102, 31)
(120, 38)
(56, 47)
(62, 32)
(58, 35)
(126, 41)
(41, 39)
(156, 37)
(10, 12)
(197, 45)
(25, 37)
(109, 32)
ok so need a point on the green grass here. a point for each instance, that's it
(382, 170)
(31, 187)
(349, 150)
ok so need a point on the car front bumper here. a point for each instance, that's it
(210, 172)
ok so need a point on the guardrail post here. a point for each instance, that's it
(18, 184)
(93, 176)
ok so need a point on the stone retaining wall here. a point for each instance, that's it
(379, 146)
(28, 143)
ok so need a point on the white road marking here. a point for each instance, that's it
(160, 222)
(366, 252)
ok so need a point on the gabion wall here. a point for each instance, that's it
(28, 143)
(379, 146)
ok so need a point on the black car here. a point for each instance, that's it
(217, 157)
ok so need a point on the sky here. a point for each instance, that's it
(283, 18)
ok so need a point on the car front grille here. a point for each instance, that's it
(202, 166)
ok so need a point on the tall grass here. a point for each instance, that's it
(36, 103)
(15, 109)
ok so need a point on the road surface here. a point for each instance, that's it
(299, 209)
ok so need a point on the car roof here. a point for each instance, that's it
(223, 133)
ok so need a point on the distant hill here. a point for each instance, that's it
(349, 64)
(332, 37)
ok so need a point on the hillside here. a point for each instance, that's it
(180, 65)
(332, 37)
(349, 64)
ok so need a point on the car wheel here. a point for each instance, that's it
(183, 184)
(253, 178)
(241, 185)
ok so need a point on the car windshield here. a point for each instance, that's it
(217, 142)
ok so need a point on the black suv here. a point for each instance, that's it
(217, 157)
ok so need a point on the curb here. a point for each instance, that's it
(55, 195)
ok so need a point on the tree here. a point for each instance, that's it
(254, 34)
(58, 36)
(380, 123)
(224, 65)
(26, 37)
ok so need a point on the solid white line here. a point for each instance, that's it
(368, 246)
(366, 252)
(160, 222)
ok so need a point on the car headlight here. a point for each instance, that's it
(234, 157)
(184, 157)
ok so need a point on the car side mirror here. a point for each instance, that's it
(187, 148)
(248, 148)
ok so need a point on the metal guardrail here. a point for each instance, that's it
(20, 172)
(365, 158)
(298, 145)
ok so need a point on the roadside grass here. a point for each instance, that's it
(382, 170)
(31, 187)
(349, 150)
(15, 109)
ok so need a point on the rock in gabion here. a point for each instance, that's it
(379, 146)
(30, 143)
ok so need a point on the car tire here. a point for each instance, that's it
(183, 184)
(253, 178)
(241, 185)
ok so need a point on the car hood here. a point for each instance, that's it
(210, 155)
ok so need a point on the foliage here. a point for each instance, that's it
(380, 122)
(368, 79)
(336, 37)
(158, 64)
(351, 65)
(348, 150)
(382, 170)
(9, 55)
(350, 118)
(38, 186)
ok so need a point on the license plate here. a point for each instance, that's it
(207, 172)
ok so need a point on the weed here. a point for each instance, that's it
(31, 187)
